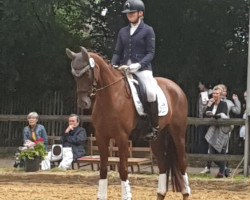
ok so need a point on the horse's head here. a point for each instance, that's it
(81, 69)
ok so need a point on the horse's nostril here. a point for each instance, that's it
(84, 104)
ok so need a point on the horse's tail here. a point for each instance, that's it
(173, 166)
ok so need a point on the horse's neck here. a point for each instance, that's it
(105, 74)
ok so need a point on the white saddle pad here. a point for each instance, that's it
(162, 101)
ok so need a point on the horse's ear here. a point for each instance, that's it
(70, 54)
(85, 54)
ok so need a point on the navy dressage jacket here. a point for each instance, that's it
(139, 47)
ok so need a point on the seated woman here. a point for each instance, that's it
(34, 132)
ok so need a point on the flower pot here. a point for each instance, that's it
(32, 165)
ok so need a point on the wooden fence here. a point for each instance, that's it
(54, 109)
(15, 123)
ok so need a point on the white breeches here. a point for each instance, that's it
(64, 164)
(67, 158)
(45, 164)
(150, 83)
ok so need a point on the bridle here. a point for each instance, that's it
(93, 90)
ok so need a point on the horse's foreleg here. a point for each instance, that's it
(103, 182)
(123, 169)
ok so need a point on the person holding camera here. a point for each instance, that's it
(217, 136)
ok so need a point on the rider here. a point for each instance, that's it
(135, 47)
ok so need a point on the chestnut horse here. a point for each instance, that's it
(114, 116)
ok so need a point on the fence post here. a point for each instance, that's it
(10, 123)
(246, 149)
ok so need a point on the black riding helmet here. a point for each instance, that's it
(133, 6)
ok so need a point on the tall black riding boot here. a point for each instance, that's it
(153, 114)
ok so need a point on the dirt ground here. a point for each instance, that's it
(82, 185)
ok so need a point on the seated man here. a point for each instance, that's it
(73, 144)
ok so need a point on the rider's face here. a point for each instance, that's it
(134, 17)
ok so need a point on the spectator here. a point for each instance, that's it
(34, 132)
(217, 136)
(234, 107)
(73, 144)
(202, 105)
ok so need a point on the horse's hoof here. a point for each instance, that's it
(160, 197)
(185, 196)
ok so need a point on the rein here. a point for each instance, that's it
(94, 90)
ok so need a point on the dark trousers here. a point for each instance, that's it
(220, 164)
(202, 145)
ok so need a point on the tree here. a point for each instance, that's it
(195, 40)
(32, 46)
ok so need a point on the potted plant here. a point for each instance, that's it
(32, 154)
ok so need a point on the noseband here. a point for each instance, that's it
(81, 72)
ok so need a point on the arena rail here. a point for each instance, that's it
(191, 121)
(87, 118)
(22, 118)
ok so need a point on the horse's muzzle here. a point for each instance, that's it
(84, 103)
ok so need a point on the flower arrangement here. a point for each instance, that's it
(32, 150)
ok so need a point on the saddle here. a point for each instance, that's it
(138, 91)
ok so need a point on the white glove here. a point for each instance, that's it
(123, 68)
(115, 66)
(134, 67)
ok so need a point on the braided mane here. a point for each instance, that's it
(104, 57)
